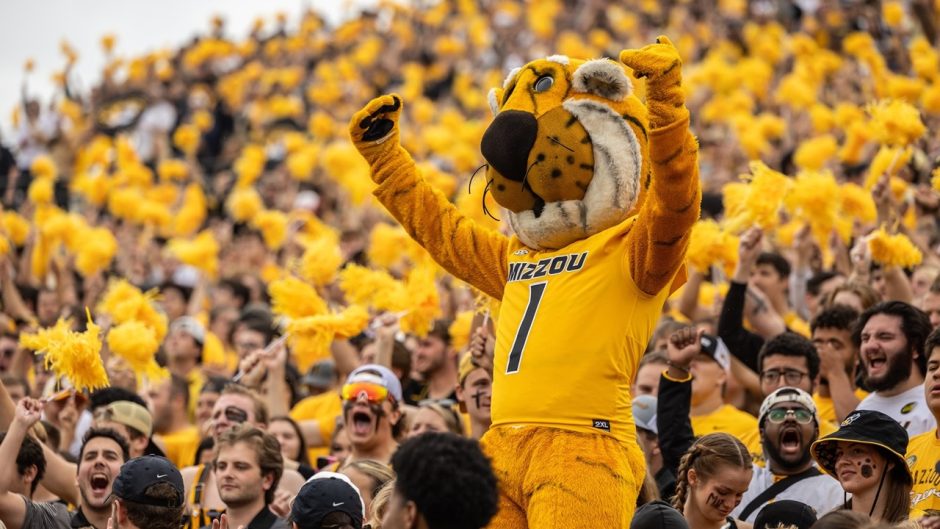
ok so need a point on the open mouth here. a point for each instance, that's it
(99, 483)
(361, 423)
(790, 441)
(876, 363)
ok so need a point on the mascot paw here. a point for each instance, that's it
(372, 127)
(661, 65)
(658, 62)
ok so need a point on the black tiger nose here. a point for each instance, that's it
(507, 142)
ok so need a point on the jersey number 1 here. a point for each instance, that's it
(536, 291)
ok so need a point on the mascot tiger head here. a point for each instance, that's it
(567, 150)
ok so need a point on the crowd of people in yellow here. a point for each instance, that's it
(193, 266)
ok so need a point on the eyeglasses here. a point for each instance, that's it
(374, 393)
(446, 403)
(800, 415)
(791, 376)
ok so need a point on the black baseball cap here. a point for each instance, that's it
(787, 513)
(141, 473)
(867, 427)
(323, 494)
(658, 515)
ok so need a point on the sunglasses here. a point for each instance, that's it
(779, 415)
(374, 393)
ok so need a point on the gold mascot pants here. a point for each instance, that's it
(551, 478)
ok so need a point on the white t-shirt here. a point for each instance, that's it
(822, 493)
(908, 408)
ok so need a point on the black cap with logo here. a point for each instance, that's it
(141, 473)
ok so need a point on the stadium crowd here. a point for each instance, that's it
(208, 321)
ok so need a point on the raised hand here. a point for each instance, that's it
(482, 347)
(661, 65)
(748, 250)
(374, 129)
(681, 348)
(28, 412)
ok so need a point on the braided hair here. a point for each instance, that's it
(705, 456)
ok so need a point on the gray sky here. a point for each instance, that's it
(34, 28)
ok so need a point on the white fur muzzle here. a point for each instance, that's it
(611, 194)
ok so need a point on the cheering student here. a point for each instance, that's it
(866, 456)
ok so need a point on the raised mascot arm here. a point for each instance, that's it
(660, 236)
(474, 254)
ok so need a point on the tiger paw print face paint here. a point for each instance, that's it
(857, 465)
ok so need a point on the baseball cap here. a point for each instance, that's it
(141, 473)
(785, 513)
(787, 394)
(644, 413)
(326, 493)
(320, 375)
(129, 414)
(867, 427)
(190, 326)
(380, 375)
(658, 515)
(714, 347)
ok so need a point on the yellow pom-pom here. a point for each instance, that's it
(930, 99)
(273, 227)
(300, 164)
(40, 191)
(343, 163)
(758, 203)
(186, 138)
(73, 355)
(893, 250)
(107, 42)
(372, 288)
(172, 170)
(124, 302)
(935, 179)
(44, 167)
(895, 123)
(244, 203)
(822, 117)
(709, 245)
(137, 344)
(202, 252)
(858, 203)
(893, 13)
(813, 154)
(295, 298)
(888, 160)
(311, 336)
(192, 212)
(321, 259)
(423, 301)
(15, 226)
(95, 250)
(385, 245)
(249, 165)
(460, 330)
(811, 200)
(856, 136)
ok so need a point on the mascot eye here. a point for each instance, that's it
(544, 83)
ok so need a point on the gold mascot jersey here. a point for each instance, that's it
(572, 326)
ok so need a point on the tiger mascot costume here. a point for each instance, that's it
(601, 192)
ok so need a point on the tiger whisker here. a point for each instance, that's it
(555, 140)
(470, 185)
(486, 210)
(525, 178)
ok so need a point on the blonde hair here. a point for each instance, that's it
(450, 415)
(379, 473)
(705, 456)
(379, 504)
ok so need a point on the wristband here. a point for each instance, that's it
(684, 369)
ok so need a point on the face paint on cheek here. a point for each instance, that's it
(867, 470)
(476, 397)
(714, 501)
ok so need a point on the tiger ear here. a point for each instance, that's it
(604, 78)
(494, 97)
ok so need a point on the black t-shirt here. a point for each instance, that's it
(415, 391)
